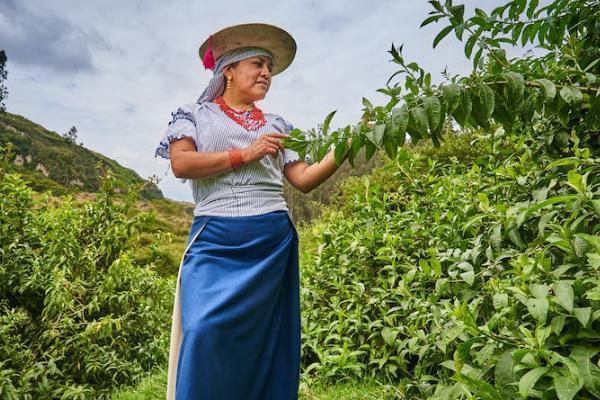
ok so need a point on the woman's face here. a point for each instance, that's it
(251, 78)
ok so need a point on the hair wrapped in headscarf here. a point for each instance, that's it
(216, 86)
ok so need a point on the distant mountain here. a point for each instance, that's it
(50, 162)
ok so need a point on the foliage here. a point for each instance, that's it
(469, 278)
(559, 89)
(164, 235)
(305, 207)
(78, 316)
(71, 135)
(461, 279)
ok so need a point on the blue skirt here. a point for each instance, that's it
(240, 310)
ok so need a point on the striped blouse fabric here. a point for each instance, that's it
(254, 188)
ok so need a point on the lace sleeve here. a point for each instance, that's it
(182, 124)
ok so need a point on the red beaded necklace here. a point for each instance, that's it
(251, 120)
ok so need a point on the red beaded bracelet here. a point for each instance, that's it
(235, 158)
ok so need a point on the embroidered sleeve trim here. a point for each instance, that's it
(181, 114)
(163, 148)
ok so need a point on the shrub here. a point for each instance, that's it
(77, 316)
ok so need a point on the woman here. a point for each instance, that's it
(236, 317)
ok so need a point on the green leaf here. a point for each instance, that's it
(504, 374)
(436, 4)
(571, 95)
(515, 236)
(370, 149)
(565, 388)
(593, 240)
(532, 7)
(357, 143)
(458, 12)
(428, 20)
(378, 131)
(538, 308)
(322, 152)
(516, 86)
(327, 121)
(558, 324)
(575, 180)
(463, 109)
(549, 89)
(575, 161)
(370, 135)
(451, 96)
(470, 44)
(433, 108)
(589, 373)
(484, 390)
(443, 33)
(583, 314)
(477, 58)
(528, 381)
(339, 152)
(563, 292)
(418, 115)
(539, 291)
(389, 335)
(550, 201)
(483, 104)
(391, 149)
(400, 120)
(367, 104)
(469, 277)
(461, 354)
(500, 300)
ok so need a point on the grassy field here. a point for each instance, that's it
(154, 387)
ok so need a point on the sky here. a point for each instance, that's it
(117, 69)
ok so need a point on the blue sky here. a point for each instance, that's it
(116, 70)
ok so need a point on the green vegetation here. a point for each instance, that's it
(555, 89)
(459, 276)
(78, 315)
(50, 162)
(469, 273)
(465, 267)
(305, 207)
(154, 387)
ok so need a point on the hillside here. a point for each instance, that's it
(49, 162)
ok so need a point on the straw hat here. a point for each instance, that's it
(280, 43)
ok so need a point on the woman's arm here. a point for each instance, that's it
(187, 162)
(306, 178)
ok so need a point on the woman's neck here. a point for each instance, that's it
(236, 103)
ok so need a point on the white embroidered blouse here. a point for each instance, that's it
(254, 188)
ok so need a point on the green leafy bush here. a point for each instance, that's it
(78, 316)
(458, 279)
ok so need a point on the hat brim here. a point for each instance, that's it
(280, 43)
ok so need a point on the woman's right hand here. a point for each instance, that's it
(269, 143)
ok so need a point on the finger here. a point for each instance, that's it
(271, 149)
(275, 141)
(277, 135)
